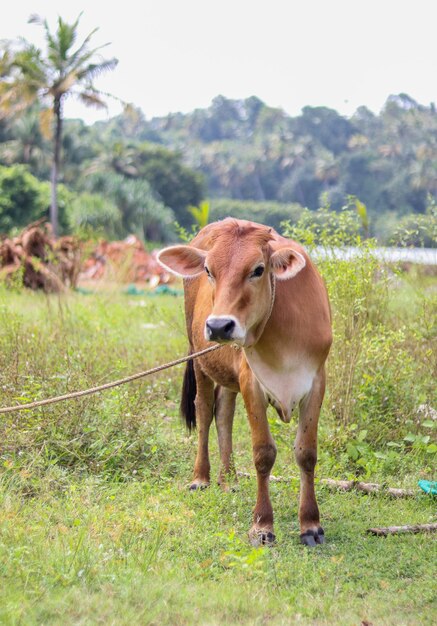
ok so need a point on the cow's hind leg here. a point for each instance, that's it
(306, 456)
(224, 417)
(204, 414)
(264, 455)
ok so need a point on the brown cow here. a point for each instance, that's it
(250, 288)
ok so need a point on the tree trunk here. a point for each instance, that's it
(57, 110)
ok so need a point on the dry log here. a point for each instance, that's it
(410, 528)
(348, 485)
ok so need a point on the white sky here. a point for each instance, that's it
(177, 55)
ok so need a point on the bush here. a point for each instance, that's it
(94, 212)
(380, 368)
(142, 213)
(23, 198)
(417, 230)
(269, 213)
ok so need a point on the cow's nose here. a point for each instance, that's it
(220, 329)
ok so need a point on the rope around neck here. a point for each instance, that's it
(116, 383)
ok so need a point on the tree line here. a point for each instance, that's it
(130, 174)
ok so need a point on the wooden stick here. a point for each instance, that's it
(348, 485)
(410, 528)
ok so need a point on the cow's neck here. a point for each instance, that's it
(285, 373)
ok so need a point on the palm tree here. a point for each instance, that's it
(29, 74)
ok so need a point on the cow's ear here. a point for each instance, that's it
(286, 263)
(183, 261)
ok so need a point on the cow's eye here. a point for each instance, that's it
(208, 273)
(257, 272)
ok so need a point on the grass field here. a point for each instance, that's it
(97, 525)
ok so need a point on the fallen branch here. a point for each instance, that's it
(38, 261)
(348, 485)
(410, 528)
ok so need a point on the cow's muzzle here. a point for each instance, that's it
(222, 329)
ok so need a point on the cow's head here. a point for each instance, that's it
(238, 262)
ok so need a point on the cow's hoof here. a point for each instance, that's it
(261, 537)
(228, 487)
(312, 538)
(198, 484)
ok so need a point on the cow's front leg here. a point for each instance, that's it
(224, 418)
(204, 414)
(264, 455)
(306, 456)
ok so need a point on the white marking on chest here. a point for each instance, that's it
(285, 384)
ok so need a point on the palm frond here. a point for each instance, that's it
(92, 99)
(30, 64)
(74, 31)
(34, 18)
(65, 38)
(82, 48)
(82, 61)
(94, 70)
(51, 41)
(14, 99)
(64, 84)
(46, 123)
(9, 151)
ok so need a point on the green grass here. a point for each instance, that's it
(97, 525)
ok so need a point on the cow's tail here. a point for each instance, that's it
(189, 390)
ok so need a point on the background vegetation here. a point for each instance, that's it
(97, 523)
(249, 159)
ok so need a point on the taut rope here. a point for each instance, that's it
(128, 379)
(115, 383)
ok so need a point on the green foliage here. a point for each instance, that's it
(200, 213)
(23, 198)
(380, 368)
(62, 67)
(98, 524)
(250, 151)
(269, 213)
(46, 76)
(176, 185)
(327, 228)
(25, 143)
(140, 211)
(259, 163)
(417, 230)
(93, 212)
(362, 214)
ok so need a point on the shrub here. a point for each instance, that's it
(93, 211)
(379, 369)
(417, 230)
(142, 213)
(25, 199)
(269, 213)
